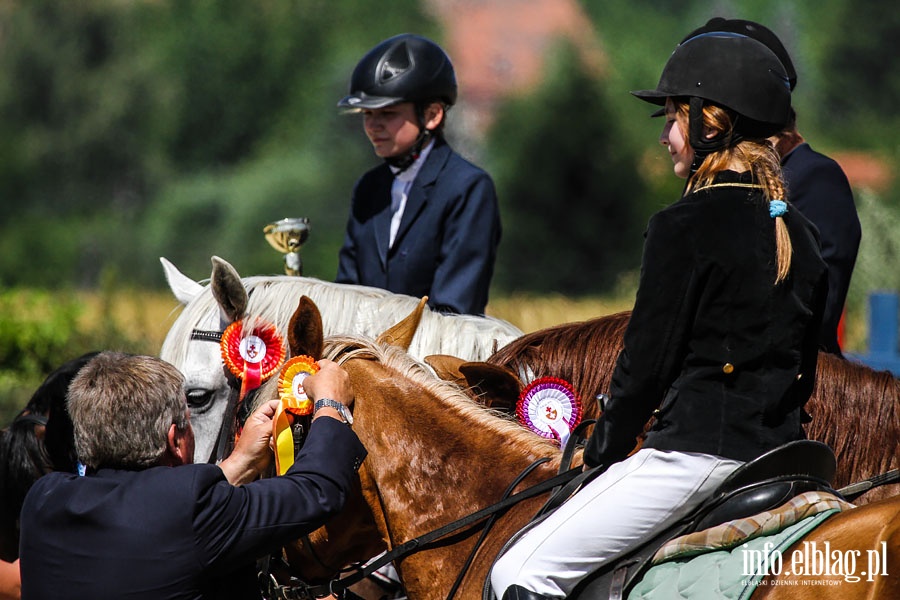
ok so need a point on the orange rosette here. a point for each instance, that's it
(294, 403)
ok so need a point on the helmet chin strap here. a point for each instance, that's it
(405, 160)
(702, 145)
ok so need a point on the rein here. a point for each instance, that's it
(339, 586)
(562, 485)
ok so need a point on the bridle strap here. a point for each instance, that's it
(337, 587)
(225, 437)
(226, 431)
(207, 335)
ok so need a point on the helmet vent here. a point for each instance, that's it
(395, 63)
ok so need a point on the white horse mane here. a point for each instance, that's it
(352, 310)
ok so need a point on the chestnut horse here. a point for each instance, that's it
(435, 455)
(855, 410)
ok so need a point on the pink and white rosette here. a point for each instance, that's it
(550, 407)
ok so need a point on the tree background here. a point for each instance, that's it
(134, 129)
(137, 129)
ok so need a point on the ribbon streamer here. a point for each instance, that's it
(294, 403)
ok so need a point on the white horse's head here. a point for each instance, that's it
(192, 344)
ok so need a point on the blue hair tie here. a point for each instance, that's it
(777, 208)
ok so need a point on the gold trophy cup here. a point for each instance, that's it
(287, 236)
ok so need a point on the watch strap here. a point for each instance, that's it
(329, 403)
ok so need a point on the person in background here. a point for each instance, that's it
(817, 187)
(37, 441)
(144, 522)
(427, 221)
(722, 345)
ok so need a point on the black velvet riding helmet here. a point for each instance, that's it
(730, 70)
(404, 68)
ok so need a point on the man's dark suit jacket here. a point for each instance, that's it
(722, 357)
(177, 532)
(819, 189)
(447, 241)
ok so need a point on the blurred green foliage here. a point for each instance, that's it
(138, 129)
(40, 330)
(572, 194)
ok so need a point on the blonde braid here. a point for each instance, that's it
(764, 163)
(766, 167)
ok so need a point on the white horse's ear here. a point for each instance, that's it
(183, 287)
(228, 290)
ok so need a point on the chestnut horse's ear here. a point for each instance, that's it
(498, 387)
(494, 386)
(402, 333)
(446, 367)
(305, 330)
(228, 290)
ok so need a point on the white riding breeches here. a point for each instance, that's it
(633, 500)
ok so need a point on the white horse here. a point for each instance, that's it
(192, 344)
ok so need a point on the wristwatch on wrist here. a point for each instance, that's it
(341, 408)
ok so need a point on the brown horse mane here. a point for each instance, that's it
(344, 348)
(855, 409)
(584, 352)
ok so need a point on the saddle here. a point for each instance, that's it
(757, 486)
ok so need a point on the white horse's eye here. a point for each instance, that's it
(200, 400)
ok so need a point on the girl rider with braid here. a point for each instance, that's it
(722, 344)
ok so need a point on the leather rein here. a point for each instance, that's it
(562, 486)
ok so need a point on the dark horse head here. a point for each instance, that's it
(39, 440)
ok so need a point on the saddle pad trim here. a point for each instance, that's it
(733, 533)
(799, 530)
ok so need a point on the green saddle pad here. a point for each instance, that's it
(721, 573)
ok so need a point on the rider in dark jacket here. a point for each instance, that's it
(721, 347)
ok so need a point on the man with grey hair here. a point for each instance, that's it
(146, 523)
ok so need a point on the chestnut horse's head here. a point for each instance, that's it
(434, 455)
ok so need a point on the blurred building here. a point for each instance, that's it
(499, 49)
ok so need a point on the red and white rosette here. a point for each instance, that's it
(253, 355)
(550, 407)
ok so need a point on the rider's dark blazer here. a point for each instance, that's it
(177, 532)
(447, 241)
(819, 189)
(722, 357)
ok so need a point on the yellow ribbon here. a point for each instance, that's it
(294, 403)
